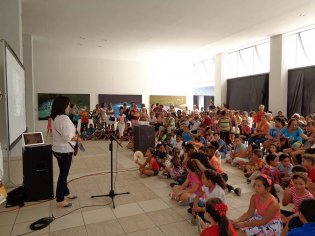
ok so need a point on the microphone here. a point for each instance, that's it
(111, 138)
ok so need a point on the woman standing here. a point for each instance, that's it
(74, 116)
(110, 115)
(121, 119)
(64, 138)
(96, 115)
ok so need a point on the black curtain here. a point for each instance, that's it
(247, 93)
(301, 92)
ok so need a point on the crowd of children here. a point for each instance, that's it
(275, 154)
(261, 146)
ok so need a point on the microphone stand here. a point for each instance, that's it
(112, 193)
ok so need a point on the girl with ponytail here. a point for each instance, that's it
(216, 214)
(263, 214)
(213, 187)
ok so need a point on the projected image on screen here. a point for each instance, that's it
(15, 77)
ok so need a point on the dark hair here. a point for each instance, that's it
(258, 152)
(267, 185)
(296, 176)
(290, 121)
(215, 144)
(59, 106)
(189, 147)
(280, 120)
(203, 149)
(215, 177)
(72, 105)
(212, 149)
(299, 168)
(307, 209)
(222, 221)
(277, 149)
(270, 158)
(192, 165)
(312, 123)
(309, 157)
(254, 146)
(151, 150)
(158, 146)
(223, 113)
(283, 156)
(214, 133)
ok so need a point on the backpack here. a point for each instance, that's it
(16, 197)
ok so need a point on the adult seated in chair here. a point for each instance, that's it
(262, 129)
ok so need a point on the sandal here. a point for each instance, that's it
(71, 197)
(65, 204)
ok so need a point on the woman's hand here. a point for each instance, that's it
(237, 224)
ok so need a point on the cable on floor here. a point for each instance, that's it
(45, 221)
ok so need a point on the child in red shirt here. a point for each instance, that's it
(151, 166)
(308, 161)
(216, 214)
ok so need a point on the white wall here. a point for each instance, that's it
(56, 73)
(11, 25)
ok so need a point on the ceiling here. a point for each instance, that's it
(146, 29)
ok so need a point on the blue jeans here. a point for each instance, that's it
(64, 163)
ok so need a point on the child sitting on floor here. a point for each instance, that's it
(295, 195)
(219, 224)
(150, 166)
(307, 217)
(256, 163)
(238, 154)
(213, 186)
(192, 185)
(285, 168)
(263, 214)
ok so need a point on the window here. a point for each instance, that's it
(301, 49)
(205, 70)
(248, 61)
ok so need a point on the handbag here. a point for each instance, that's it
(75, 147)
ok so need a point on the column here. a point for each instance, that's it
(29, 82)
(220, 85)
(278, 76)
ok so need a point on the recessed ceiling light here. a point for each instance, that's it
(99, 46)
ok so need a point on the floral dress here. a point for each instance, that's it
(273, 228)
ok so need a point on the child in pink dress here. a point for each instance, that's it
(49, 127)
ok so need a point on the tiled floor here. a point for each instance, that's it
(147, 210)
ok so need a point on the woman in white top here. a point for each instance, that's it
(103, 114)
(110, 115)
(64, 138)
(121, 119)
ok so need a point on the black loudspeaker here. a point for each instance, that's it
(38, 172)
(144, 137)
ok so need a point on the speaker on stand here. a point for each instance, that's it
(38, 172)
(144, 137)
